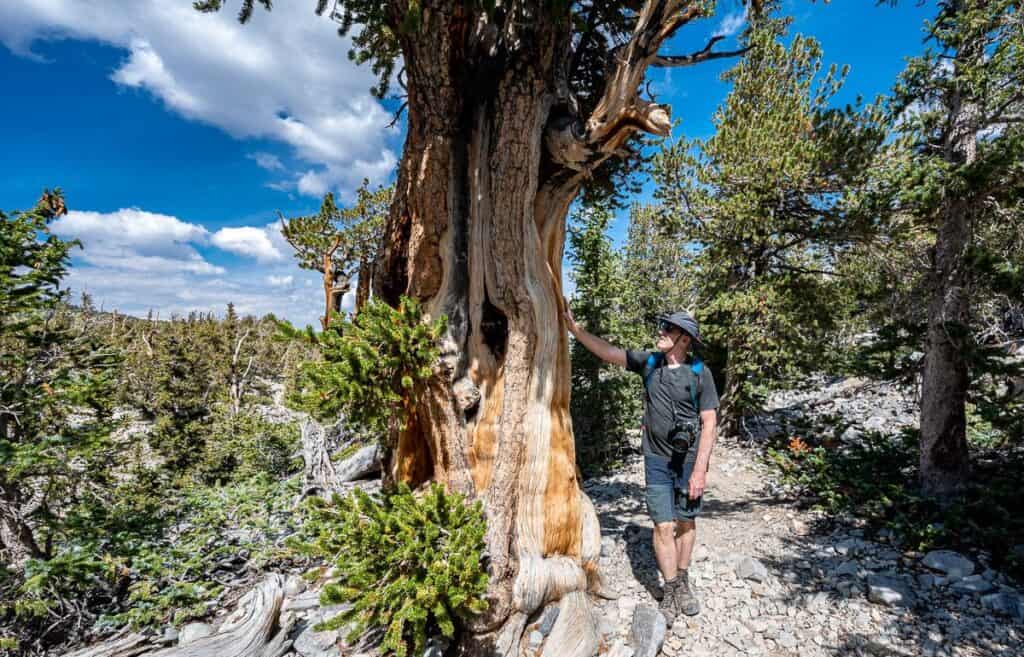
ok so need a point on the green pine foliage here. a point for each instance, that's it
(411, 565)
(762, 207)
(605, 399)
(966, 88)
(370, 367)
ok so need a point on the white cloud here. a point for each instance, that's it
(280, 281)
(731, 23)
(134, 261)
(282, 77)
(139, 241)
(267, 161)
(247, 241)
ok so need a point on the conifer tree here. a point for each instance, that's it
(954, 175)
(604, 398)
(762, 206)
(340, 243)
(50, 369)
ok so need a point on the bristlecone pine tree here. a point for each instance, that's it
(340, 243)
(512, 108)
(959, 111)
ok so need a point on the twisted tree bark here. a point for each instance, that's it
(494, 156)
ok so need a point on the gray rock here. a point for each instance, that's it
(547, 619)
(535, 639)
(647, 633)
(303, 601)
(192, 632)
(310, 643)
(927, 581)
(948, 562)
(293, 586)
(620, 649)
(973, 584)
(752, 569)
(362, 464)
(436, 647)
(848, 568)
(1002, 603)
(787, 640)
(849, 547)
(889, 591)
(170, 635)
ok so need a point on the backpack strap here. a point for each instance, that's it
(652, 364)
(697, 366)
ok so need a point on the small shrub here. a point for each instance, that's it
(877, 481)
(370, 366)
(410, 565)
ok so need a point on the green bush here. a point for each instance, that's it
(877, 482)
(370, 366)
(410, 565)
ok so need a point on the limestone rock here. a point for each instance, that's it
(193, 632)
(1003, 603)
(362, 464)
(952, 564)
(310, 643)
(647, 633)
(751, 569)
(887, 590)
(973, 584)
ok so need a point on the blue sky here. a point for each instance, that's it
(177, 137)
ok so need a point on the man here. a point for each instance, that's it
(680, 404)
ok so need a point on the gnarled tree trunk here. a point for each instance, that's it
(493, 158)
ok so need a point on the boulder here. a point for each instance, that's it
(950, 563)
(647, 633)
(363, 463)
(973, 584)
(1002, 603)
(310, 643)
(193, 632)
(891, 591)
(751, 569)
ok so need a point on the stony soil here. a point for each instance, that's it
(835, 593)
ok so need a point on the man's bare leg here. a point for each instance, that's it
(665, 550)
(665, 554)
(686, 536)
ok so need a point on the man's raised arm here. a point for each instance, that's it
(595, 345)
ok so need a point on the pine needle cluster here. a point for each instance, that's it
(410, 565)
(370, 366)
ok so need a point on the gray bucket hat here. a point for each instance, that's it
(683, 320)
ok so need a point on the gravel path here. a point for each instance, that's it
(819, 594)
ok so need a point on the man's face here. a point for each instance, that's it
(668, 335)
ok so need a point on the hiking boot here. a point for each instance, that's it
(668, 606)
(684, 599)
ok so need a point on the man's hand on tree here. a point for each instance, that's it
(570, 323)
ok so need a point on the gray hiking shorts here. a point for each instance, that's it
(668, 484)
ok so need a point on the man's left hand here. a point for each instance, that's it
(697, 481)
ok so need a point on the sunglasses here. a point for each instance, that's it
(667, 327)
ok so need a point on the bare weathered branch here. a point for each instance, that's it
(703, 55)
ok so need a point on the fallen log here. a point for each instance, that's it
(250, 631)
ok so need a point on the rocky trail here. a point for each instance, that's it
(771, 584)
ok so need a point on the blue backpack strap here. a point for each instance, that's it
(652, 364)
(697, 366)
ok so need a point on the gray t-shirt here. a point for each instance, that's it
(668, 397)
